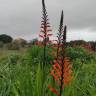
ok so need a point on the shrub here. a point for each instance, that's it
(84, 55)
(13, 46)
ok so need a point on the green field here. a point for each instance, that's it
(6, 52)
(21, 73)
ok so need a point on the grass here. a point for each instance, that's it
(22, 74)
(6, 52)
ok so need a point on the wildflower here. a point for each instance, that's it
(53, 90)
(56, 73)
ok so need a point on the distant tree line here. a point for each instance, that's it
(8, 42)
(19, 43)
(89, 45)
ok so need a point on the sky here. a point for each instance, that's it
(22, 18)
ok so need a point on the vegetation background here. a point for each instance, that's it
(21, 74)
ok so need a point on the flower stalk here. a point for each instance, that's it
(62, 69)
(45, 29)
(59, 35)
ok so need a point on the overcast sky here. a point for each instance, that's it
(22, 18)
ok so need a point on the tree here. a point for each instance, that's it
(77, 43)
(5, 38)
(20, 42)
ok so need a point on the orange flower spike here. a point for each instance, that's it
(67, 74)
(58, 66)
(53, 90)
(67, 78)
(58, 72)
(67, 70)
(53, 74)
(67, 81)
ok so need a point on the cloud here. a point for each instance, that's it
(84, 34)
(22, 17)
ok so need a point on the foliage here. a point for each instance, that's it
(35, 55)
(5, 38)
(20, 42)
(18, 78)
(84, 55)
(13, 46)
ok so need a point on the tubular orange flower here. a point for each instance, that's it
(56, 73)
(55, 76)
(53, 90)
